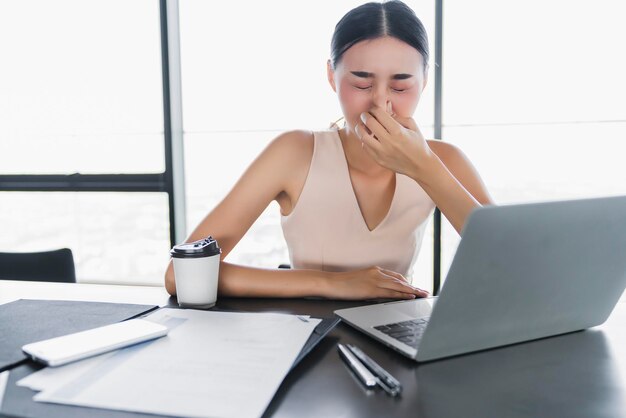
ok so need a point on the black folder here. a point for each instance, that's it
(320, 331)
(26, 321)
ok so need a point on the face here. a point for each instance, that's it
(374, 72)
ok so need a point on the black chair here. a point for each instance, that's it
(45, 266)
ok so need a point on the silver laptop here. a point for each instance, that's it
(520, 273)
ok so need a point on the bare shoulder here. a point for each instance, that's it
(450, 155)
(293, 146)
(285, 156)
(288, 151)
(290, 156)
(462, 168)
(446, 151)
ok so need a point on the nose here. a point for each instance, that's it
(380, 97)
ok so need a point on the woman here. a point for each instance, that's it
(354, 200)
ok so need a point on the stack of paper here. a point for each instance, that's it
(216, 364)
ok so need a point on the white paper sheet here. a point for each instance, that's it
(51, 377)
(216, 364)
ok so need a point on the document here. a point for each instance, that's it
(52, 377)
(211, 364)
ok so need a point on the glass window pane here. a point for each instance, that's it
(541, 163)
(247, 81)
(115, 237)
(80, 87)
(534, 95)
(269, 73)
(533, 61)
(423, 268)
(547, 162)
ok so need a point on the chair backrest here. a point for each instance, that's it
(45, 266)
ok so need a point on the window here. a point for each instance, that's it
(80, 92)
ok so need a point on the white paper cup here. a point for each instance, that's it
(196, 271)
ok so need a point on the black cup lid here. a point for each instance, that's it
(203, 248)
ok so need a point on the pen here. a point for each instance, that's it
(364, 375)
(389, 383)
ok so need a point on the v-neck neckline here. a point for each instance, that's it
(356, 200)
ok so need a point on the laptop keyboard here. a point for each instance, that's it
(408, 332)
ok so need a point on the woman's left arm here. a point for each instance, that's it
(440, 168)
(452, 183)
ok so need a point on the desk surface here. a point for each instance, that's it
(575, 375)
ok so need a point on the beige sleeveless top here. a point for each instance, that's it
(326, 230)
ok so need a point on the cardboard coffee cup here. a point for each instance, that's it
(196, 268)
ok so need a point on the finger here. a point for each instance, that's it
(396, 284)
(374, 126)
(408, 123)
(398, 276)
(367, 138)
(372, 152)
(370, 145)
(394, 274)
(391, 287)
(359, 130)
(385, 119)
(393, 293)
(421, 293)
(390, 294)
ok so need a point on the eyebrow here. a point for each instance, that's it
(365, 74)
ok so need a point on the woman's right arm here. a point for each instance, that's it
(286, 159)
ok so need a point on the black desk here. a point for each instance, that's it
(576, 375)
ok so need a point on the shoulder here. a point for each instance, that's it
(294, 139)
(289, 155)
(444, 149)
(292, 146)
(448, 153)
(462, 169)
(286, 159)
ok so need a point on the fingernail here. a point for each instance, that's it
(388, 107)
(356, 131)
(363, 117)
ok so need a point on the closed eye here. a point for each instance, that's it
(369, 87)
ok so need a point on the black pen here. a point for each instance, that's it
(364, 375)
(389, 383)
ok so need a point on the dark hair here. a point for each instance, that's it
(374, 20)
